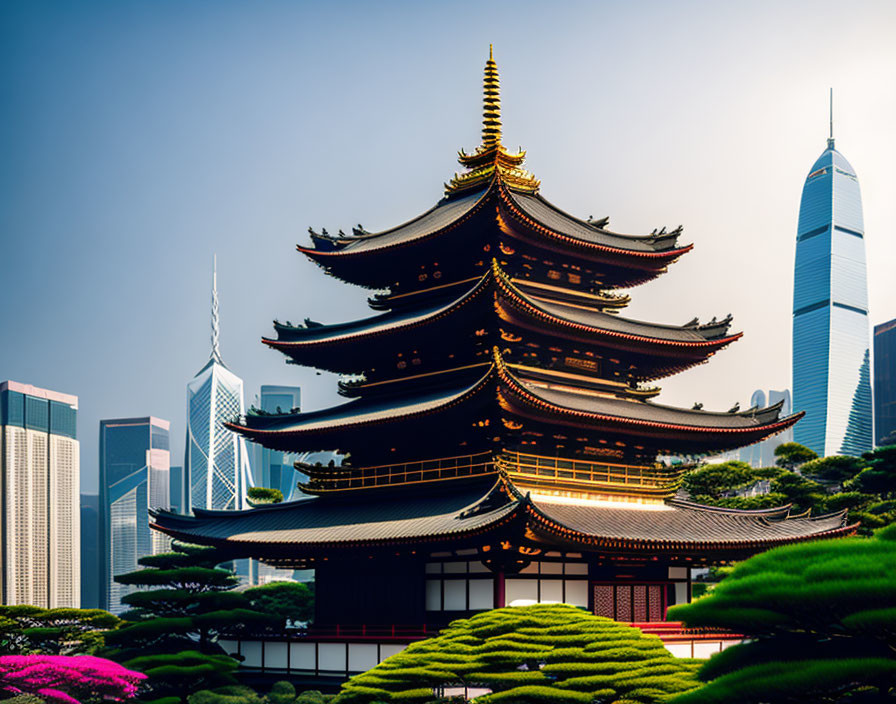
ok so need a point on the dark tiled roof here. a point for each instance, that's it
(684, 522)
(367, 411)
(362, 411)
(480, 507)
(555, 219)
(450, 210)
(322, 521)
(575, 315)
(650, 412)
(443, 214)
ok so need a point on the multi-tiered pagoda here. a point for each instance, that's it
(500, 442)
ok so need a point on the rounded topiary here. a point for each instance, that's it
(541, 653)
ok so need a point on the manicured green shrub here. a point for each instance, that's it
(283, 693)
(233, 694)
(528, 654)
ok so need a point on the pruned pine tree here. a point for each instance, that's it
(820, 623)
(171, 631)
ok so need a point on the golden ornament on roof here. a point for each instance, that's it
(491, 159)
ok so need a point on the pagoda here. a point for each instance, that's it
(500, 440)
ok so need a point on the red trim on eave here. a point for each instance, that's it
(544, 405)
(668, 255)
(550, 318)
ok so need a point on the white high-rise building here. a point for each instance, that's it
(39, 492)
(216, 463)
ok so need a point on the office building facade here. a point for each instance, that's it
(272, 468)
(91, 571)
(885, 383)
(40, 494)
(134, 477)
(831, 352)
(762, 454)
(176, 488)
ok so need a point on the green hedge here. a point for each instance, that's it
(538, 653)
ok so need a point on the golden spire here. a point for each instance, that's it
(491, 103)
(491, 160)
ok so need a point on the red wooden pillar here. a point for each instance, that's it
(499, 589)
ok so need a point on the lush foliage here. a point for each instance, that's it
(292, 601)
(259, 495)
(717, 480)
(821, 622)
(60, 679)
(172, 629)
(835, 469)
(867, 484)
(33, 630)
(541, 653)
(791, 455)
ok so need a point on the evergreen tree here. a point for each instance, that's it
(172, 629)
(285, 601)
(835, 469)
(791, 455)
(28, 630)
(820, 623)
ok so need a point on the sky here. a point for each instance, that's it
(140, 139)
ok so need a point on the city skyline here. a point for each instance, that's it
(231, 141)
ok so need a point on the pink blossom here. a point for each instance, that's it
(61, 679)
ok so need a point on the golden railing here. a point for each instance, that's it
(414, 472)
(585, 475)
(523, 469)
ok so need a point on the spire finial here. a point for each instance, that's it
(491, 103)
(216, 352)
(831, 133)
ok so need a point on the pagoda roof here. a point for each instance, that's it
(320, 522)
(596, 325)
(452, 211)
(676, 526)
(539, 401)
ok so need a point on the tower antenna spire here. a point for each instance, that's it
(831, 123)
(491, 103)
(216, 352)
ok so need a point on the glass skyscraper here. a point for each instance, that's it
(762, 454)
(134, 477)
(272, 468)
(885, 383)
(831, 361)
(216, 462)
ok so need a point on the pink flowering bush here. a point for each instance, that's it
(59, 679)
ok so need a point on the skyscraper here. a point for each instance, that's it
(216, 462)
(885, 382)
(273, 468)
(39, 497)
(831, 361)
(176, 488)
(762, 454)
(134, 477)
(91, 572)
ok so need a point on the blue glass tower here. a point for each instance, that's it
(831, 362)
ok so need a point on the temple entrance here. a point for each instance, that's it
(632, 602)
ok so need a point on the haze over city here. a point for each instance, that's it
(140, 141)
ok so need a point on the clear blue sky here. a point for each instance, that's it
(140, 138)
